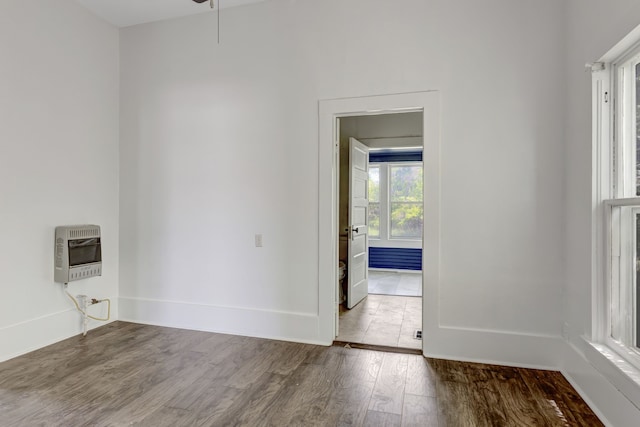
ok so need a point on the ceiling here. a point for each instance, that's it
(124, 13)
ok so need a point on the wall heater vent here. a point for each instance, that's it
(78, 253)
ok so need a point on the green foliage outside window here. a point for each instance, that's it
(406, 194)
(405, 208)
(374, 202)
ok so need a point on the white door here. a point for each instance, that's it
(358, 256)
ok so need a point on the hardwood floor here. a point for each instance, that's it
(130, 374)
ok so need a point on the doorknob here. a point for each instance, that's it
(355, 229)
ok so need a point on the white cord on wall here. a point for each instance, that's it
(83, 310)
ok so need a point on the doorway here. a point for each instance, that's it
(380, 199)
(330, 110)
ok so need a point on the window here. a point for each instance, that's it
(627, 147)
(405, 200)
(374, 202)
(395, 201)
(625, 248)
(620, 188)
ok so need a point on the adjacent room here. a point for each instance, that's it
(180, 246)
(383, 255)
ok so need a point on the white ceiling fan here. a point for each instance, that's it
(126, 13)
(202, 1)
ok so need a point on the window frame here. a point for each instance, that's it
(378, 166)
(613, 241)
(615, 140)
(604, 355)
(390, 165)
(385, 206)
(624, 128)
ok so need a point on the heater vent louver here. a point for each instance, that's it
(83, 232)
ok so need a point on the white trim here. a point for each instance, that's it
(602, 131)
(33, 334)
(395, 270)
(329, 111)
(605, 364)
(504, 348)
(624, 71)
(270, 324)
(596, 385)
(500, 347)
(623, 375)
(617, 244)
(385, 240)
(630, 42)
(395, 243)
(389, 166)
(382, 204)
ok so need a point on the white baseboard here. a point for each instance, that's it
(494, 347)
(277, 325)
(609, 404)
(538, 352)
(33, 334)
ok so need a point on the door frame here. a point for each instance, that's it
(330, 110)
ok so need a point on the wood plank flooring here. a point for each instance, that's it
(130, 374)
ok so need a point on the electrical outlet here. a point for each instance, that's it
(258, 240)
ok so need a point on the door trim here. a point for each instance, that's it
(329, 111)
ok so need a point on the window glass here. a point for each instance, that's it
(405, 201)
(623, 269)
(374, 202)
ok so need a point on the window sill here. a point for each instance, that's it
(384, 243)
(622, 374)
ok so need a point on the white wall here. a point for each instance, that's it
(219, 142)
(58, 161)
(593, 28)
(385, 130)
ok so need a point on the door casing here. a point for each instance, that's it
(329, 112)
